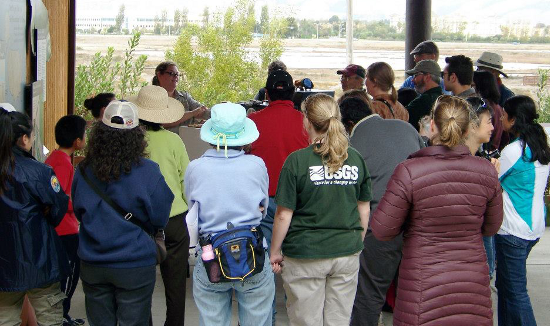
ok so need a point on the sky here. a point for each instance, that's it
(536, 11)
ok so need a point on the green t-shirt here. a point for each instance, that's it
(168, 151)
(325, 222)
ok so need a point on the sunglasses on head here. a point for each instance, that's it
(477, 103)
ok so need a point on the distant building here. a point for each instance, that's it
(130, 23)
(486, 26)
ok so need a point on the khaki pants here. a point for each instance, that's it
(320, 291)
(47, 303)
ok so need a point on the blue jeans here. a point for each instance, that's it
(267, 229)
(267, 222)
(489, 244)
(514, 304)
(254, 297)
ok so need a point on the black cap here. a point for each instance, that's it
(279, 80)
(426, 47)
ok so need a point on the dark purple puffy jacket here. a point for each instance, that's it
(444, 200)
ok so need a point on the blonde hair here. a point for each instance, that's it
(323, 114)
(452, 116)
(382, 75)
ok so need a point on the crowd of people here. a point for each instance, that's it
(417, 196)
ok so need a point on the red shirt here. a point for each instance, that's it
(282, 132)
(63, 168)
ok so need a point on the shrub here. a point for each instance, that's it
(214, 60)
(104, 75)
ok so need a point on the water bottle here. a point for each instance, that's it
(210, 264)
(207, 253)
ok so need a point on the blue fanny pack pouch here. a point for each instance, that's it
(239, 252)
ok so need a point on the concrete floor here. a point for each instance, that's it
(538, 266)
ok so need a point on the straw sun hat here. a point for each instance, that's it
(154, 105)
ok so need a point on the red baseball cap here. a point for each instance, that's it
(351, 70)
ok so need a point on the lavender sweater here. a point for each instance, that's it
(227, 189)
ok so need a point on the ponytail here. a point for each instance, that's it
(451, 116)
(155, 81)
(322, 112)
(450, 134)
(524, 110)
(6, 155)
(393, 94)
(98, 102)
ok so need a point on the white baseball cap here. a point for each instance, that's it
(121, 115)
(8, 107)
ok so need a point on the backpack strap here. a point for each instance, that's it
(389, 106)
(126, 215)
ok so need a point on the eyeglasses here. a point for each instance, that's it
(172, 74)
(443, 73)
(418, 74)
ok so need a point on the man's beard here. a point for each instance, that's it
(419, 87)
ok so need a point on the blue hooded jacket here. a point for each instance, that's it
(106, 238)
(31, 253)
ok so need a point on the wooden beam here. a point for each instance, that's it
(57, 83)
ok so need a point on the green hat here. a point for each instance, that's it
(425, 66)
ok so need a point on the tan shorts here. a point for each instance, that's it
(46, 301)
(320, 291)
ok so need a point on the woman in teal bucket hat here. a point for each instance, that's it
(230, 189)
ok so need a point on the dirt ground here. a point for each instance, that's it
(524, 58)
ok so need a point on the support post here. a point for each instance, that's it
(418, 27)
(349, 33)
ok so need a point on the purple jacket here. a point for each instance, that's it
(444, 200)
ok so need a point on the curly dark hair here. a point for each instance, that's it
(111, 152)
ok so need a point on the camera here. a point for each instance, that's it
(490, 154)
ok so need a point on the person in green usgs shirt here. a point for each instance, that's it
(322, 215)
(168, 151)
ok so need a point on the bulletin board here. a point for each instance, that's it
(13, 45)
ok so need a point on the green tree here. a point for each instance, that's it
(163, 22)
(184, 17)
(131, 69)
(216, 65)
(307, 29)
(291, 27)
(205, 16)
(157, 29)
(103, 74)
(264, 20)
(119, 20)
(543, 96)
(177, 22)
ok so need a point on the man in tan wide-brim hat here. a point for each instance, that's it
(492, 62)
(166, 148)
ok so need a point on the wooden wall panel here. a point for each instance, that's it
(57, 68)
